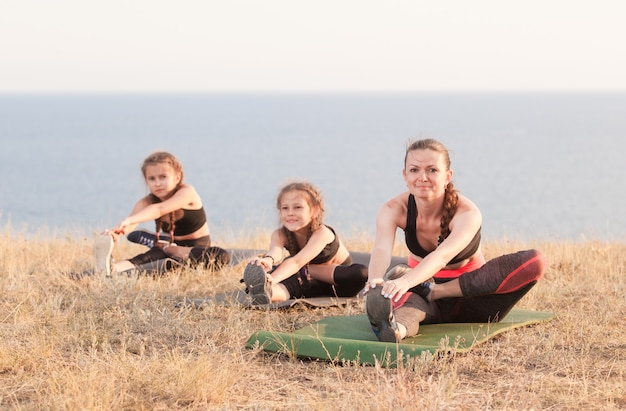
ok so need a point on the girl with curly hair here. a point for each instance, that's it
(318, 263)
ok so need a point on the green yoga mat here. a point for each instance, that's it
(351, 338)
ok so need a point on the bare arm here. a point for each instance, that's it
(313, 247)
(145, 211)
(383, 243)
(388, 220)
(274, 254)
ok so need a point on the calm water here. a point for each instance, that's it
(540, 166)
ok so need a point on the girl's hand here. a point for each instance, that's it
(121, 227)
(112, 234)
(265, 262)
(372, 283)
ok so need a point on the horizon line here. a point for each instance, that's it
(286, 92)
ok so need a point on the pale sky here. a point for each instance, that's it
(315, 45)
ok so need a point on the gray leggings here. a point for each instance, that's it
(202, 253)
(489, 293)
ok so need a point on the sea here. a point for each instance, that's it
(541, 166)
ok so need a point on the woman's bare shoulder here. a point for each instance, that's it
(465, 204)
(394, 211)
(398, 202)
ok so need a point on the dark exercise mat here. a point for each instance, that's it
(240, 298)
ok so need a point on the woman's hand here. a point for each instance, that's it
(395, 289)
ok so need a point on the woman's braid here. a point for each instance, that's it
(450, 204)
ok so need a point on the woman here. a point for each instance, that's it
(447, 278)
(319, 263)
(176, 209)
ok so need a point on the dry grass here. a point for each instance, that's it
(120, 343)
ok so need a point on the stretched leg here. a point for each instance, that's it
(337, 281)
(415, 311)
(261, 291)
(213, 258)
(102, 250)
(258, 287)
(381, 317)
(151, 260)
(486, 294)
(349, 280)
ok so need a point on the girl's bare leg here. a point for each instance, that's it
(322, 272)
(279, 293)
(123, 266)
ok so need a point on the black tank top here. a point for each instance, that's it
(327, 254)
(190, 222)
(410, 237)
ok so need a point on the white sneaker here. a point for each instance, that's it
(102, 250)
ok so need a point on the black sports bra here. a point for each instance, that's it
(410, 237)
(327, 254)
(190, 222)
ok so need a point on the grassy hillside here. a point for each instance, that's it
(120, 343)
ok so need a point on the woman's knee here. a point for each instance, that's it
(504, 274)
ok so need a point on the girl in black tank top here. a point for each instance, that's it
(169, 197)
(318, 263)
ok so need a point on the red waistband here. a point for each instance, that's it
(453, 273)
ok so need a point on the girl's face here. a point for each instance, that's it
(426, 174)
(295, 212)
(162, 180)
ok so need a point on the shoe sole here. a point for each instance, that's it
(255, 280)
(379, 313)
(102, 250)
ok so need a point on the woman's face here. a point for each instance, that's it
(295, 212)
(162, 180)
(426, 174)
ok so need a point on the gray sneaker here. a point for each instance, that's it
(380, 314)
(396, 271)
(257, 286)
(102, 250)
